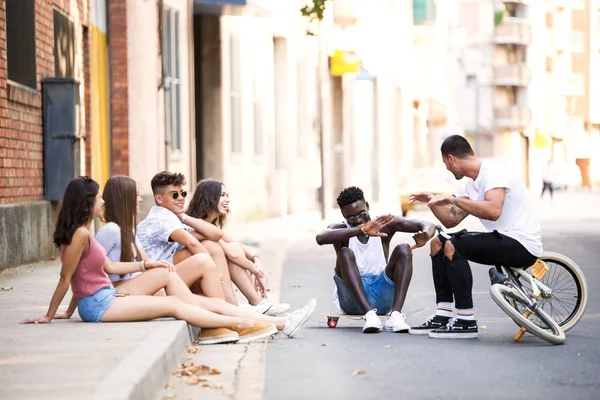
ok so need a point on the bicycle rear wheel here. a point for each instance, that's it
(506, 297)
(569, 291)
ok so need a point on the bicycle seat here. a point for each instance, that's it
(497, 276)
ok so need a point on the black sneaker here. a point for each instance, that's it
(456, 329)
(433, 322)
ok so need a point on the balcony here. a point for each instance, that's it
(573, 85)
(424, 12)
(513, 31)
(512, 75)
(512, 117)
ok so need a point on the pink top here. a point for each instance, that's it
(89, 276)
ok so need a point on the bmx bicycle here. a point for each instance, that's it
(545, 299)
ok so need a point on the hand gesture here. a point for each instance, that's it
(440, 200)
(373, 227)
(260, 272)
(42, 320)
(160, 264)
(423, 197)
(421, 238)
(260, 285)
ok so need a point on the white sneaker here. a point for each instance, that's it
(297, 319)
(278, 308)
(372, 322)
(396, 323)
(262, 307)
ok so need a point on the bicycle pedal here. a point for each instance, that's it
(539, 269)
(497, 277)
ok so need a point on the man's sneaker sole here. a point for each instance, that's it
(223, 340)
(311, 308)
(397, 330)
(265, 333)
(455, 335)
(413, 331)
(372, 329)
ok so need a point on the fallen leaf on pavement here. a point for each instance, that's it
(212, 385)
(193, 369)
(194, 350)
(359, 372)
(483, 327)
(324, 344)
(168, 386)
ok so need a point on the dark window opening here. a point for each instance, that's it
(64, 46)
(20, 42)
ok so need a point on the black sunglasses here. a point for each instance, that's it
(362, 216)
(175, 194)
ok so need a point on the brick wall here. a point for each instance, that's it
(119, 113)
(21, 138)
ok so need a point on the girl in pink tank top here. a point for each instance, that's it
(84, 268)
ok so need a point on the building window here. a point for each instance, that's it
(64, 46)
(171, 79)
(20, 42)
(235, 93)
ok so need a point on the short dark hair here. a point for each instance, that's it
(350, 195)
(458, 146)
(166, 178)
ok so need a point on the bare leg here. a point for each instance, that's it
(181, 256)
(144, 308)
(157, 278)
(222, 307)
(216, 253)
(347, 269)
(201, 267)
(399, 270)
(244, 283)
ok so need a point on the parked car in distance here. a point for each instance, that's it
(435, 180)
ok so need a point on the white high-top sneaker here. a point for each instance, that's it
(372, 322)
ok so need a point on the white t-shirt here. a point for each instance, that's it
(155, 231)
(109, 237)
(518, 219)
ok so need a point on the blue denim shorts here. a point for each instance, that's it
(379, 290)
(93, 307)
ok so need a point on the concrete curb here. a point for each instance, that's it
(143, 373)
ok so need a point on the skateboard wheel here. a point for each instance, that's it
(331, 322)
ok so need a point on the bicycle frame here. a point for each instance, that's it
(537, 287)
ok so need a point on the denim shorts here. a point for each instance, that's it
(93, 307)
(379, 290)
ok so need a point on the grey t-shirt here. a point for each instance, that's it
(109, 237)
(155, 231)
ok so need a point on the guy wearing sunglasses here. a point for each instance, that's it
(162, 233)
(368, 279)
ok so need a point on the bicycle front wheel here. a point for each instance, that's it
(569, 290)
(506, 297)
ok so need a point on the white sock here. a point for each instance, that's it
(465, 313)
(444, 310)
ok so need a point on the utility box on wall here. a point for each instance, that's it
(60, 105)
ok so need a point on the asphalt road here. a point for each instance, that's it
(322, 362)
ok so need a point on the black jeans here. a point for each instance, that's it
(453, 279)
(547, 186)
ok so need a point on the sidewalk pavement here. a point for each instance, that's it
(70, 359)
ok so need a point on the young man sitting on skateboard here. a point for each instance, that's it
(368, 282)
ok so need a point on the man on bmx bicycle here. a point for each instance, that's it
(514, 239)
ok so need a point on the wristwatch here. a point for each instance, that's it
(455, 200)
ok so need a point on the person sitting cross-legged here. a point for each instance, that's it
(369, 280)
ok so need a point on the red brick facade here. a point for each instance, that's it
(119, 110)
(21, 137)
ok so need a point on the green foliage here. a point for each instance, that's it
(315, 11)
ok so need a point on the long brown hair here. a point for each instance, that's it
(206, 201)
(76, 208)
(120, 207)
